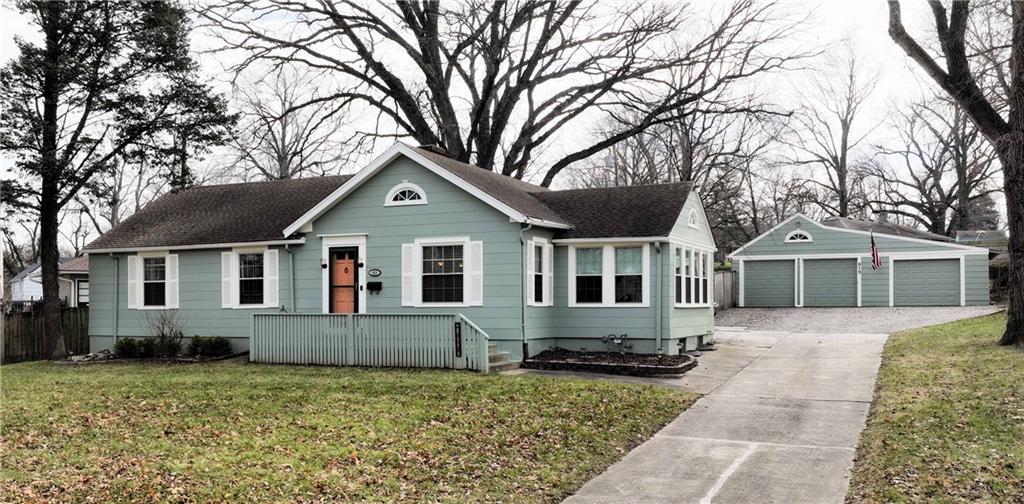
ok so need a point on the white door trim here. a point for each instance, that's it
(326, 244)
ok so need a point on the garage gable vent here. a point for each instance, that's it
(798, 236)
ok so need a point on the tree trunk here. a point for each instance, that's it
(49, 207)
(1011, 153)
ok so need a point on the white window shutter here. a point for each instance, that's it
(531, 270)
(270, 278)
(409, 296)
(226, 299)
(549, 275)
(475, 295)
(134, 267)
(171, 285)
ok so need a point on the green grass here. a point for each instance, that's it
(240, 432)
(947, 423)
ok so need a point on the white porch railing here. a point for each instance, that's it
(384, 340)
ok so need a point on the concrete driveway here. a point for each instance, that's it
(841, 320)
(779, 423)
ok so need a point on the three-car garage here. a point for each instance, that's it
(804, 263)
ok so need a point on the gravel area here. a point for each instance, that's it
(846, 320)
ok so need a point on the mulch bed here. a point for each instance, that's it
(612, 362)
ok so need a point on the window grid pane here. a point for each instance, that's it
(250, 265)
(588, 261)
(588, 289)
(629, 289)
(154, 269)
(628, 261)
(442, 274)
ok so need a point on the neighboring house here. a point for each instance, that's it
(801, 262)
(73, 282)
(22, 288)
(416, 232)
(996, 241)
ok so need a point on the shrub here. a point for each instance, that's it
(214, 346)
(147, 348)
(126, 348)
(167, 334)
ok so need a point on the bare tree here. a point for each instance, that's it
(281, 137)
(829, 130)
(959, 80)
(938, 164)
(496, 82)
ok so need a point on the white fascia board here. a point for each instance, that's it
(598, 241)
(938, 254)
(380, 162)
(164, 248)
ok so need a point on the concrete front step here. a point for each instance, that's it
(497, 357)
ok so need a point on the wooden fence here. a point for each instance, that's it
(726, 291)
(385, 340)
(24, 334)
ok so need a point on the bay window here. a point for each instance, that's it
(693, 273)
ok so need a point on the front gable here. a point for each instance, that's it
(800, 235)
(402, 151)
(692, 226)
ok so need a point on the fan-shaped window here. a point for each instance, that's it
(798, 236)
(405, 193)
(692, 219)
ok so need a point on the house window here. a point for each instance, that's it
(538, 274)
(405, 193)
(629, 275)
(154, 281)
(83, 292)
(250, 279)
(589, 266)
(798, 236)
(693, 276)
(442, 274)
(691, 219)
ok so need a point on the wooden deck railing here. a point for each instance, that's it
(384, 340)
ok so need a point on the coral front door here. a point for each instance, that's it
(344, 284)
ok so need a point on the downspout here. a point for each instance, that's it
(291, 275)
(117, 288)
(522, 294)
(657, 298)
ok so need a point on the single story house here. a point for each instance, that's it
(802, 262)
(416, 232)
(72, 280)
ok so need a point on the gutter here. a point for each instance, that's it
(657, 299)
(522, 295)
(291, 275)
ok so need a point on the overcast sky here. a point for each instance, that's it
(832, 22)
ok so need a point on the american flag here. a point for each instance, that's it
(876, 261)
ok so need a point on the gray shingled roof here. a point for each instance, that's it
(888, 228)
(513, 192)
(260, 211)
(619, 212)
(232, 213)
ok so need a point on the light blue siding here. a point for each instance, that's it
(828, 240)
(874, 283)
(451, 212)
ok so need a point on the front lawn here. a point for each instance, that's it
(948, 418)
(242, 432)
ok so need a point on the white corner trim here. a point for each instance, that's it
(739, 269)
(405, 184)
(164, 248)
(401, 149)
(860, 271)
(892, 299)
(963, 281)
(326, 244)
(792, 237)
